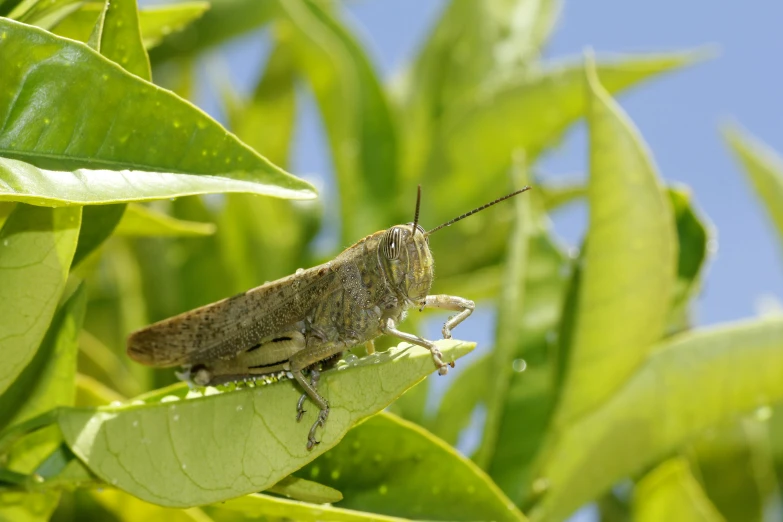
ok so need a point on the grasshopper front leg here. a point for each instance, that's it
(464, 306)
(389, 328)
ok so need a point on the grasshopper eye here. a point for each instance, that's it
(391, 243)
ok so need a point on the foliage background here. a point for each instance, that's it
(367, 149)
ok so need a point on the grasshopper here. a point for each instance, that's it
(310, 318)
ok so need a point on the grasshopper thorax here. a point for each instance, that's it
(404, 253)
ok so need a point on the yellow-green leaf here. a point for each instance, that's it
(155, 22)
(693, 382)
(144, 221)
(208, 449)
(65, 107)
(264, 507)
(630, 261)
(36, 245)
(393, 467)
(764, 168)
(669, 492)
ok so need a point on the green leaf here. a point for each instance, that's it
(355, 112)
(91, 392)
(158, 452)
(736, 466)
(129, 509)
(36, 245)
(530, 400)
(464, 394)
(159, 21)
(44, 13)
(764, 168)
(669, 492)
(693, 382)
(121, 38)
(264, 507)
(474, 45)
(558, 194)
(694, 235)
(629, 266)
(529, 115)
(306, 491)
(23, 182)
(156, 22)
(27, 507)
(144, 221)
(99, 222)
(49, 380)
(509, 329)
(89, 113)
(224, 20)
(6, 208)
(393, 467)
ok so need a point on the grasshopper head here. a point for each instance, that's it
(404, 251)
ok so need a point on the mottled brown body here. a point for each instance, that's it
(333, 306)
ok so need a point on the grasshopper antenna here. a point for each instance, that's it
(416, 215)
(479, 209)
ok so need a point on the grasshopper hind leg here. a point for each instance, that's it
(311, 391)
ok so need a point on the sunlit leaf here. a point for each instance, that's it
(44, 13)
(66, 107)
(465, 392)
(736, 466)
(473, 46)
(224, 19)
(144, 221)
(156, 22)
(129, 509)
(90, 392)
(529, 115)
(120, 39)
(156, 451)
(529, 403)
(629, 267)
(306, 491)
(264, 507)
(669, 492)
(509, 331)
(694, 234)
(36, 245)
(99, 222)
(695, 381)
(390, 466)
(49, 380)
(764, 168)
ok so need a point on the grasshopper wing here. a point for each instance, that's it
(224, 328)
